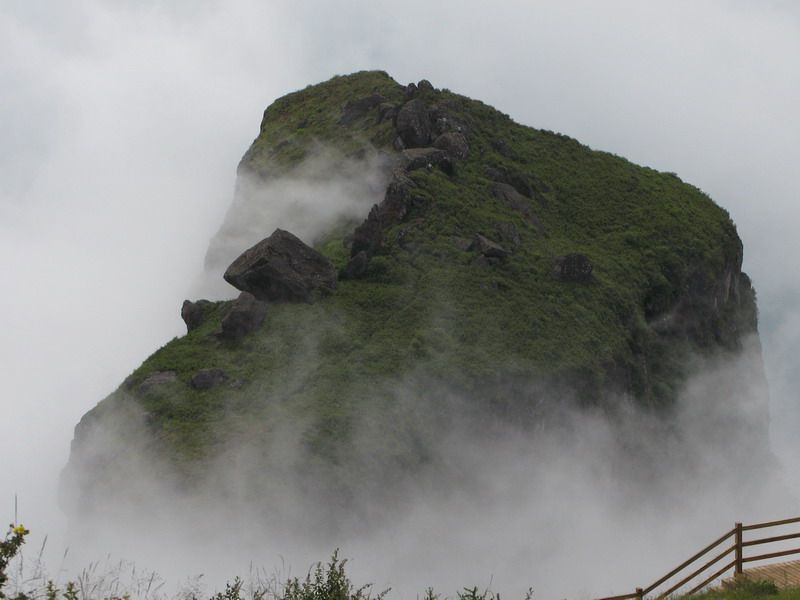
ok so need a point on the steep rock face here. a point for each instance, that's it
(414, 124)
(369, 236)
(531, 274)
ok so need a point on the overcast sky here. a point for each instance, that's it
(122, 122)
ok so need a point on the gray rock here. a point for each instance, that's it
(411, 91)
(418, 158)
(454, 144)
(414, 125)
(354, 110)
(572, 267)
(368, 236)
(398, 198)
(281, 268)
(489, 248)
(194, 313)
(155, 378)
(244, 317)
(386, 112)
(424, 85)
(205, 379)
(357, 266)
(393, 208)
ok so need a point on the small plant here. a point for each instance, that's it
(9, 548)
(328, 583)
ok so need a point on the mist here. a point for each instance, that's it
(120, 133)
(616, 490)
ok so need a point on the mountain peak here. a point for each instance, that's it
(477, 274)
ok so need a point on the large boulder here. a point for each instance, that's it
(194, 313)
(455, 144)
(244, 317)
(281, 268)
(414, 124)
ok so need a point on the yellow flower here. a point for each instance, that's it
(20, 530)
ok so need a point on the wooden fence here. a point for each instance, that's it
(737, 549)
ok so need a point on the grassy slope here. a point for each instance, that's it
(432, 311)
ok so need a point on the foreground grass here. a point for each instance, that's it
(122, 582)
(322, 582)
(748, 589)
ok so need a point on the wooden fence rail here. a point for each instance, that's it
(737, 563)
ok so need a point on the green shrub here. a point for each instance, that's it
(328, 583)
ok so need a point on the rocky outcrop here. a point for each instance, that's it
(695, 312)
(572, 267)
(357, 266)
(413, 124)
(368, 236)
(360, 108)
(245, 316)
(205, 379)
(194, 313)
(418, 158)
(454, 144)
(156, 378)
(281, 268)
(386, 112)
(424, 86)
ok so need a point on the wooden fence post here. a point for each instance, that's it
(639, 594)
(737, 572)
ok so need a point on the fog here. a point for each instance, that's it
(120, 131)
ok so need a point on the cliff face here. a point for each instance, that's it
(477, 273)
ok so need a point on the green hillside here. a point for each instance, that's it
(434, 317)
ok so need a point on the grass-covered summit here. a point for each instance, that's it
(504, 272)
